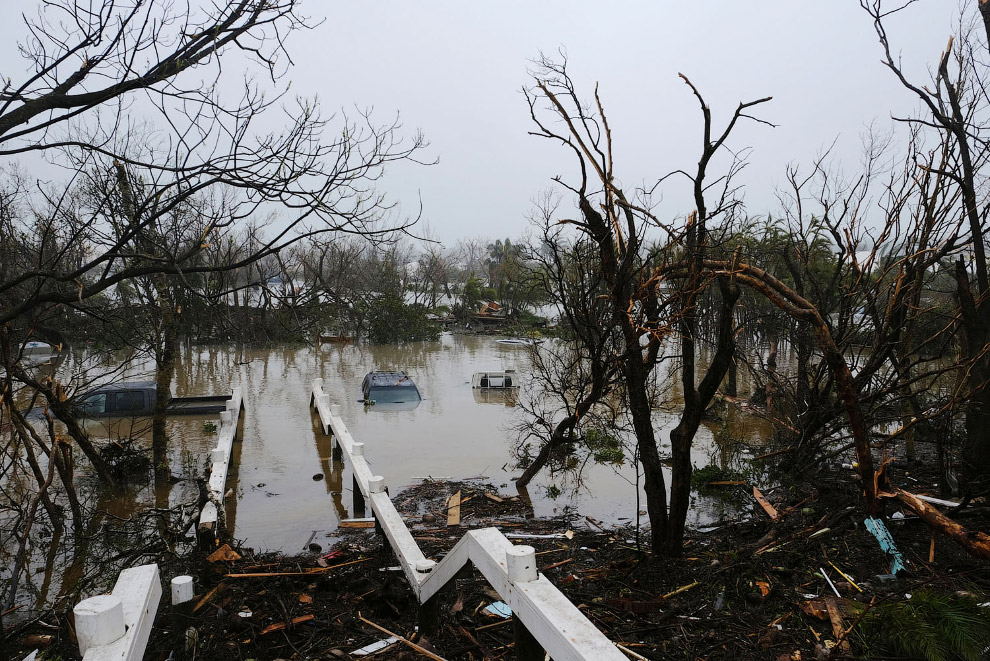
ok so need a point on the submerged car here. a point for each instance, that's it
(137, 398)
(390, 388)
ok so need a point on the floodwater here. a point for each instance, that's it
(287, 487)
(287, 490)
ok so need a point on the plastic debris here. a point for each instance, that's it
(499, 608)
(376, 646)
(879, 530)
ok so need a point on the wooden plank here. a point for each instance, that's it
(495, 499)
(209, 595)
(278, 626)
(357, 523)
(837, 629)
(765, 504)
(454, 510)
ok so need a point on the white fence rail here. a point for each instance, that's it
(559, 627)
(117, 626)
(220, 459)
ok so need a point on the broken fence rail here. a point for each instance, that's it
(550, 617)
(220, 464)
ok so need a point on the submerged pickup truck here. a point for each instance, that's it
(137, 398)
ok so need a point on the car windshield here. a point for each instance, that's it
(394, 394)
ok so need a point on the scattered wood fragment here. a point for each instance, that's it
(305, 599)
(357, 523)
(454, 510)
(837, 629)
(278, 626)
(209, 595)
(628, 651)
(310, 572)
(406, 641)
(725, 483)
(772, 454)
(558, 564)
(224, 553)
(495, 624)
(765, 504)
(492, 497)
(683, 588)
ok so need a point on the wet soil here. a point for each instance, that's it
(752, 588)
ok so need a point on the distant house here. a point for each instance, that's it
(491, 313)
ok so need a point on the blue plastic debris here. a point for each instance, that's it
(499, 608)
(879, 530)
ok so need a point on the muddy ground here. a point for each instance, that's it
(752, 588)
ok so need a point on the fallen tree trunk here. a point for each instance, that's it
(975, 543)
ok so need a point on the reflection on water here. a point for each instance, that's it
(287, 487)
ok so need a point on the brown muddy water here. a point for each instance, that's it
(287, 491)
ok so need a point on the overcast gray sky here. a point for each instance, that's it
(455, 70)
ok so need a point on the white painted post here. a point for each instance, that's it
(376, 484)
(357, 449)
(334, 409)
(99, 621)
(182, 589)
(225, 418)
(521, 564)
(425, 566)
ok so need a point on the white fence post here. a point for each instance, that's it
(129, 611)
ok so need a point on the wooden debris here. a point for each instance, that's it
(454, 510)
(209, 595)
(837, 629)
(357, 523)
(278, 626)
(492, 497)
(305, 599)
(309, 572)
(726, 483)
(976, 543)
(224, 553)
(683, 588)
(765, 504)
(411, 644)
(625, 648)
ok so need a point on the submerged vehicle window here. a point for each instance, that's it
(126, 401)
(95, 403)
(394, 394)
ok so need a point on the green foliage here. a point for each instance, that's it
(930, 625)
(391, 320)
(604, 447)
(474, 293)
(209, 427)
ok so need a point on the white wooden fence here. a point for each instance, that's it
(117, 626)
(559, 627)
(220, 459)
